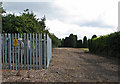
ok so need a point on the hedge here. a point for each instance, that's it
(108, 45)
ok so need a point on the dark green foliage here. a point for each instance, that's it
(94, 36)
(67, 42)
(1, 12)
(79, 44)
(1, 8)
(55, 41)
(85, 42)
(108, 45)
(70, 41)
(27, 23)
(62, 43)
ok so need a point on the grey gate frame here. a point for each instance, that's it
(34, 51)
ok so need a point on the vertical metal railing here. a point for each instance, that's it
(18, 53)
(27, 52)
(34, 51)
(3, 50)
(30, 51)
(49, 50)
(21, 53)
(10, 51)
(45, 54)
(6, 51)
(0, 53)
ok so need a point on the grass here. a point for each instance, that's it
(85, 49)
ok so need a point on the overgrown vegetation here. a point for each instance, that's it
(108, 45)
(69, 41)
(26, 22)
(85, 42)
(73, 42)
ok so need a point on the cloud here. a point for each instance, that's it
(62, 30)
(39, 8)
(81, 17)
(96, 24)
(90, 10)
(27, 0)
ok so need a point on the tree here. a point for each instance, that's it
(27, 23)
(75, 38)
(66, 42)
(85, 43)
(70, 41)
(79, 44)
(1, 9)
(94, 36)
(1, 12)
(62, 42)
(55, 41)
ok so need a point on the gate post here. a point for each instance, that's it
(45, 49)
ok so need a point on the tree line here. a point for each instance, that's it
(73, 42)
(107, 45)
(26, 22)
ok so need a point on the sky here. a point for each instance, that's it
(80, 17)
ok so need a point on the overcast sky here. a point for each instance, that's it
(80, 17)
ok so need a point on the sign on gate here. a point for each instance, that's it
(25, 51)
(15, 42)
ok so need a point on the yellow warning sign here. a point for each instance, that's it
(15, 42)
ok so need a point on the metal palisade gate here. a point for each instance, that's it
(49, 50)
(26, 51)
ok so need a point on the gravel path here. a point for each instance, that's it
(69, 65)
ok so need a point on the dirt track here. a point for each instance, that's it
(69, 65)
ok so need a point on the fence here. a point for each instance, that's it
(0, 54)
(26, 51)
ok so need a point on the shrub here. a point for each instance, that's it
(108, 45)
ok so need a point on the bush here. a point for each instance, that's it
(108, 45)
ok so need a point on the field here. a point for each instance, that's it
(69, 65)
